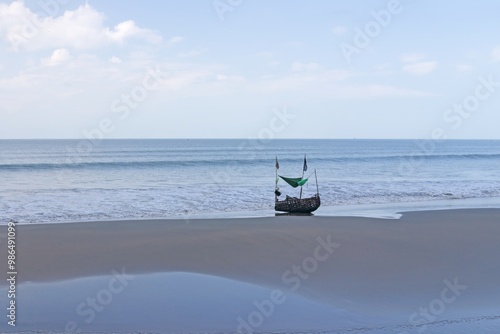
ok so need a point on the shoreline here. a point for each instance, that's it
(375, 210)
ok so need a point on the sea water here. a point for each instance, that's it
(79, 180)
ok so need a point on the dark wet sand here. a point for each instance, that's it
(378, 267)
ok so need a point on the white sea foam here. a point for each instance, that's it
(42, 182)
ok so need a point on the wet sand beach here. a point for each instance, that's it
(283, 273)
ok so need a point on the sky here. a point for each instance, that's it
(250, 69)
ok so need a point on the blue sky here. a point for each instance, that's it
(228, 68)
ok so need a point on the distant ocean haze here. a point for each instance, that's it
(50, 181)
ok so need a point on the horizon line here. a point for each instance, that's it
(242, 138)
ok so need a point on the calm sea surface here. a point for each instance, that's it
(73, 180)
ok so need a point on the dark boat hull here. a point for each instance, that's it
(295, 205)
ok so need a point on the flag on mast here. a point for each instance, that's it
(277, 164)
(305, 164)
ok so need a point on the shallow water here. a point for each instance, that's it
(55, 181)
(181, 302)
(196, 303)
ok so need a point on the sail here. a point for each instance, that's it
(294, 182)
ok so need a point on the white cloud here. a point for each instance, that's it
(184, 79)
(293, 44)
(82, 28)
(58, 57)
(464, 67)
(411, 58)
(382, 67)
(318, 82)
(265, 54)
(392, 91)
(339, 30)
(495, 54)
(115, 60)
(175, 40)
(331, 83)
(273, 64)
(420, 68)
(299, 67)
(126, 30)
(192, 53)
(234, 78)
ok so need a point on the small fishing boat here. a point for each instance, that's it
(294, 204)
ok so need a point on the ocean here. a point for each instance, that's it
(45, 181)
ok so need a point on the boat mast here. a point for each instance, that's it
(304, 168)
(276, 184)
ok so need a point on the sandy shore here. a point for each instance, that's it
(384, 270)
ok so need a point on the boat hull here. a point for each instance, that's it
(296, 205)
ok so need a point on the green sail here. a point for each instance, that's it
(294, 182)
